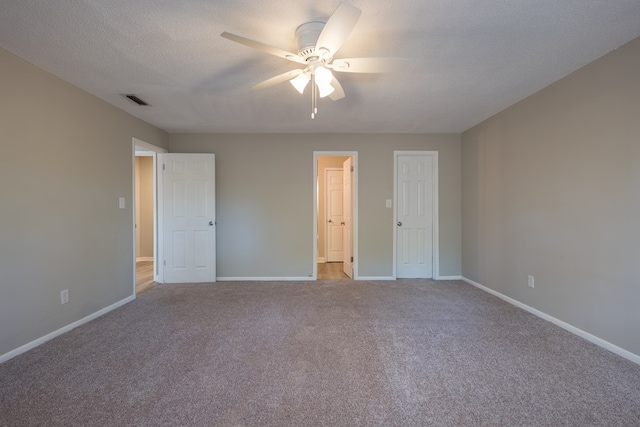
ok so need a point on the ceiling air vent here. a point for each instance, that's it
(137, 100)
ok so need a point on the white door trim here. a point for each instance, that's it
(436, 228)
(354, 155)
(144, 148)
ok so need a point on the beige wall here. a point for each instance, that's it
(144, 207)
(325, 162)
(264, 199)
(551, 188)
(66, 158)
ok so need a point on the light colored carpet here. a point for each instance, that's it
(326, 353)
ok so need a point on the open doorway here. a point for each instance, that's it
(145, 211)
(335, 211)
(144, 221)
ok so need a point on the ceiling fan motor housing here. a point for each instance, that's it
(306, 37)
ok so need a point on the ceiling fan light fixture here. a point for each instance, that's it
(317, 43)
(325, 90)
(300, 82)
(323, 76)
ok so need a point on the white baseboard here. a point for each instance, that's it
(292, 279)
(448, 278)
(144, 258)
(42, 340)
(322, 260)
(288, 279)
(263, 279)
(579, 332)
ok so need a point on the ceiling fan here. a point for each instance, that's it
(317, 43)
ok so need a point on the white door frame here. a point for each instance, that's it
(146, 149)
(354, 195)
(436, 228)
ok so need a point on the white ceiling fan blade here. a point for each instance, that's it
(338, 92)
(278, 79)
(369, 65)
(263, 47)
(337, 29)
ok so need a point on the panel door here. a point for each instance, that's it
(414, 251)
(347, 207)
(189, 230)
(334, 203)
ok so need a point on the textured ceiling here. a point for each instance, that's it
(469, 58)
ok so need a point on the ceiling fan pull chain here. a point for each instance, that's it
(314, 109)
(315, 95)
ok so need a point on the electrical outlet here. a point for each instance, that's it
(531, 282)
(64, 296)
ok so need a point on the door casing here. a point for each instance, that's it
(354, 213)
(141, 147)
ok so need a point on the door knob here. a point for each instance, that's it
(399, 224)
(210, 222)
(329, 221)
(342, 223)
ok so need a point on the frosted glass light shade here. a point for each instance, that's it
(300, 82)
(325, 89)
(323, 80)
(323, 76)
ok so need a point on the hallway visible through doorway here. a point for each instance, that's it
(331, 270)
(145, 206)
(144, 276)
(335, 195)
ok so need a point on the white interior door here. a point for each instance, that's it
(414, 214)
(347, 234)
(334, 203)
(189, 218)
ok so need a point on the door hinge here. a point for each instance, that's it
(164, 167)
(164, 262)
(352, 169)
(351, 259)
